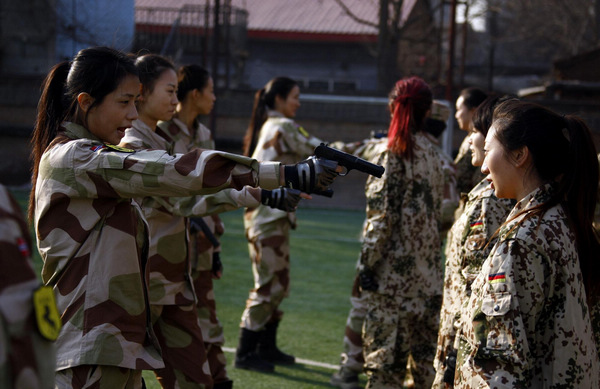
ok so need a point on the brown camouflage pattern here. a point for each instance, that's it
(468, 245)
(86, 224)
(26, 359)
(267, 229)
(402, 245)
(201, 253)
(530, 327)
(98, 377)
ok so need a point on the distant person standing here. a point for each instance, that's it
(272, 135)
(467, 102)
(29, 320)
(400, 263)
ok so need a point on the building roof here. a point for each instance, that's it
(293, 18)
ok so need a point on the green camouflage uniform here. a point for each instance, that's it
(26, 358)
(468, 245)
(201, 251)
(402, 245)
(526, 323)
(86, 223)
(172, 295)
(467, 175)
(267, 229)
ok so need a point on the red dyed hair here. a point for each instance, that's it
(410, 100)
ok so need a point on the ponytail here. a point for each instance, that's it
(579, 186)
(52, 110)
(263, 99)
(410, 100)
(258, 118)
(96, 71)
(563, 153)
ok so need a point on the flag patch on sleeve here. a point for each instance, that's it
(496, 278)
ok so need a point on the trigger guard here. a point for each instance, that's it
(344, 173)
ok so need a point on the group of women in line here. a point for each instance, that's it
(519, 305)
(114, 177)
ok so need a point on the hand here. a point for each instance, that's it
(367, 280)
(217, 266)
(285, 199)
(450, 364)
(311, 175)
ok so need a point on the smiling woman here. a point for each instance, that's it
(527, 321)
(91, 236)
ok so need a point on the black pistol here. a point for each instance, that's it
(348, 161)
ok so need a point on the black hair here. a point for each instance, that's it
(190, 77)
(97, 71)
(484, 114)
(265, 98)
(563, 151)
(473, 96)
(150, 68)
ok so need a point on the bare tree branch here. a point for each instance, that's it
(353, 15)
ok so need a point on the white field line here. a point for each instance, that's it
(299, 360)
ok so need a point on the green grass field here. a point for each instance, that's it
(324, 250)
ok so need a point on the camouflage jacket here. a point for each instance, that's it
(168, 261)
(21, 353)
(86, 223)
(527, 324)
(280, 139)
(468, 245)
(401, 236)
(200, 247)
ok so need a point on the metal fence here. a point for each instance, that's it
(188, 29)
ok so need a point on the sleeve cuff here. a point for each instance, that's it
(268, 175)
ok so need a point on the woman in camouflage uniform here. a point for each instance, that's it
(467, 246)
(172, 298)
(267, 230)
(467, 102)
(27, 357)
(91, 236)
(527, 322)
(401, 269)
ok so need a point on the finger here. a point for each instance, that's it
(306, 196)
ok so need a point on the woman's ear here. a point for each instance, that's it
(85, 101)
(521, 156)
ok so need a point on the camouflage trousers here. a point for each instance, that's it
(98, 377)
(395, 329)
(352, 356)
(211, 327)
(182, 347)
(27, 361)
(270, 256)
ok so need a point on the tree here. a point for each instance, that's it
(393, 21)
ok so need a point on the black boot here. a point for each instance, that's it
(223, 385)
(267, 346)
(246, 357)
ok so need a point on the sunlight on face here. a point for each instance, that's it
(109, 119)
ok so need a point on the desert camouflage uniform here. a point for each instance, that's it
(267, 229)
(468, 245)
(467, 175)
(201, 251)
(86, 223)
(172, 295)
(402, 245)
(527, 324)
(26, 358)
